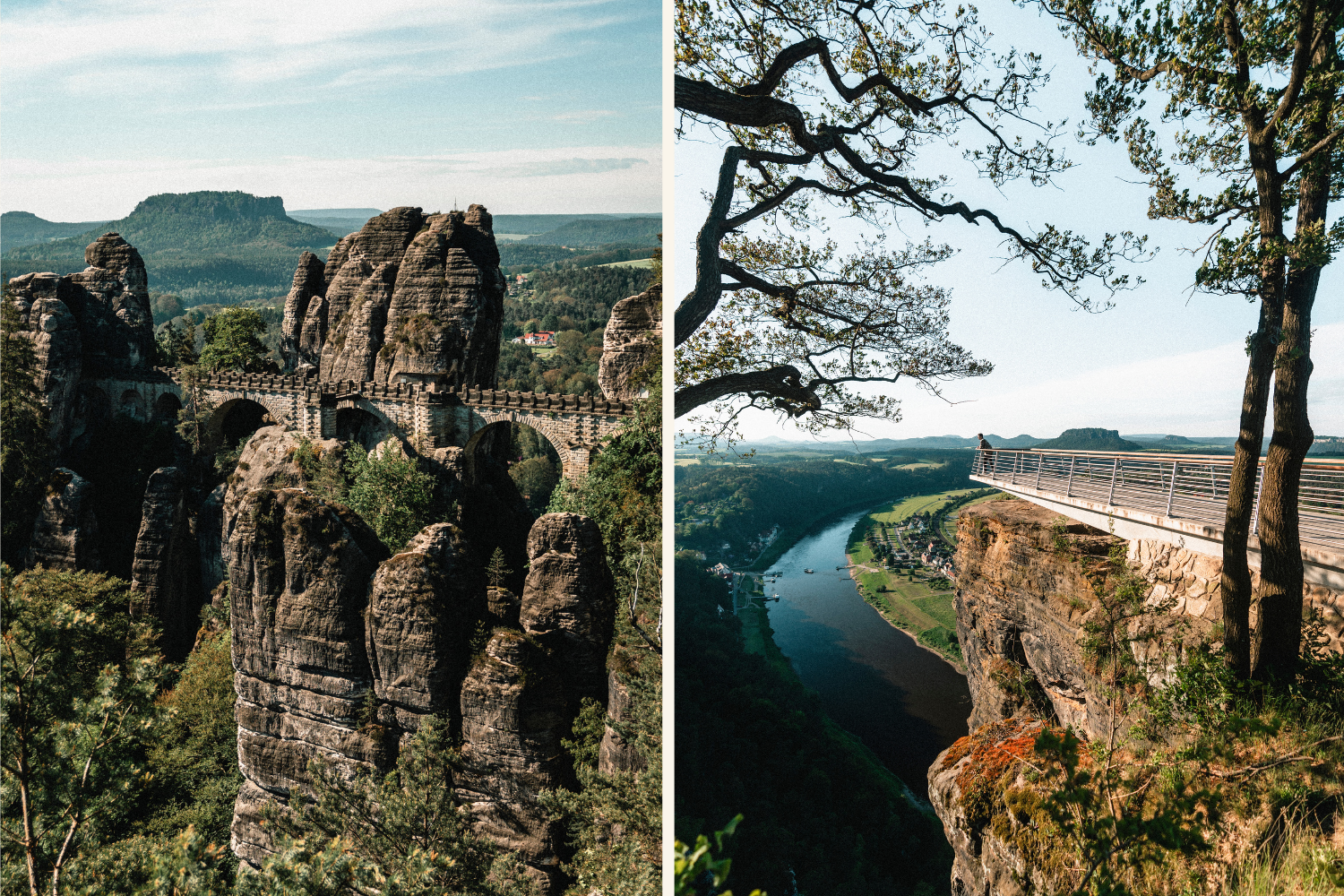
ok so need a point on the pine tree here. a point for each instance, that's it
(497, 571)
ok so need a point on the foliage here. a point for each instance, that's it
(194, 758)
(536, 479)
(232, 343)
(839, 105)
(391, 492)
(615, 820)
(497, 571)
(696, 870)
(750, 739)
(79, 680)
(1112, 823)
(401, 833)
(26, 451)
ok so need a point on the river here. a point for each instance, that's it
(904, 702)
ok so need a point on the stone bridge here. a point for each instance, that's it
(575, 426)
(1178, 499)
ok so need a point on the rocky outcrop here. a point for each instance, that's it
(65, 534)
(634, 336)
(997, 852)
(111, 300)
(309, 282)
(341, 652)
(1025, 594)
(409, 298)
(210, 535)
(299, 572)
(57, 346)
(165, 574)
(421, 609)
(1025, 598)
(569, 601)
(97, 319)
(513, 717)
(615, 753)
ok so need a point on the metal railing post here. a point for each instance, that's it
(1040, 462)
(1068, 489)
(1017, 459)
(1110, 496)
(1171, 492)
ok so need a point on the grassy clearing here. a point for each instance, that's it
(904, 597)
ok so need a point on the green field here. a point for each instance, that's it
(904, 597)
(633, 263)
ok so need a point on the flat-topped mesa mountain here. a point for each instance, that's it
(341, 652)
(1090, 439)
(1024, 605)
(410, 298)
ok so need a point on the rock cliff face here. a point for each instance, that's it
(65, 534)
(633, 337)
(340, 652)
(99, 318)
(299, 570)
(1024, 597)
(165, 574)
(409, 298)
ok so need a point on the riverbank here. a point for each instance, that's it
(912, 605)
(790, 536)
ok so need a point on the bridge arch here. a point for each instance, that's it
(166, 407)
(365, 425)
(132, 405)
(236, 419)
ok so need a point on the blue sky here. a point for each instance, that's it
(1163, 360)
(523, 105)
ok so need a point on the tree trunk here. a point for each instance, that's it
(1241, 497)
(1280, 545)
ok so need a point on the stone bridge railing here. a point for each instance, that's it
(574, 425)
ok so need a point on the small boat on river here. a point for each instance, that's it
(807, 570)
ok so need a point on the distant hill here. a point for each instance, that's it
(589, 233)
(877, 446)
(1091, 439)
(19, 229)
(340, 221)
(206, 247)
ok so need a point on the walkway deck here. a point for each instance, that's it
(1180, 499)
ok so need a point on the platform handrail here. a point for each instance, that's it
(1172, 486)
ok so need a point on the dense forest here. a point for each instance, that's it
(737, 504)
(121, 767)
(821, 815)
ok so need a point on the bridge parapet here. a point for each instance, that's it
(1181, 499)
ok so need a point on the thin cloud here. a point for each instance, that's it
(563, 167)
(246, 43)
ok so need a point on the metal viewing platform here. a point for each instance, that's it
(1179, 499)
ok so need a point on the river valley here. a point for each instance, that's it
(904, 702)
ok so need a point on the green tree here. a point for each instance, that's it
(79, 679)
(25, 447)
(1254, 120)
(536, 478)
(391, 493)
(497, 571)
(831, 104)
(232, 341)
